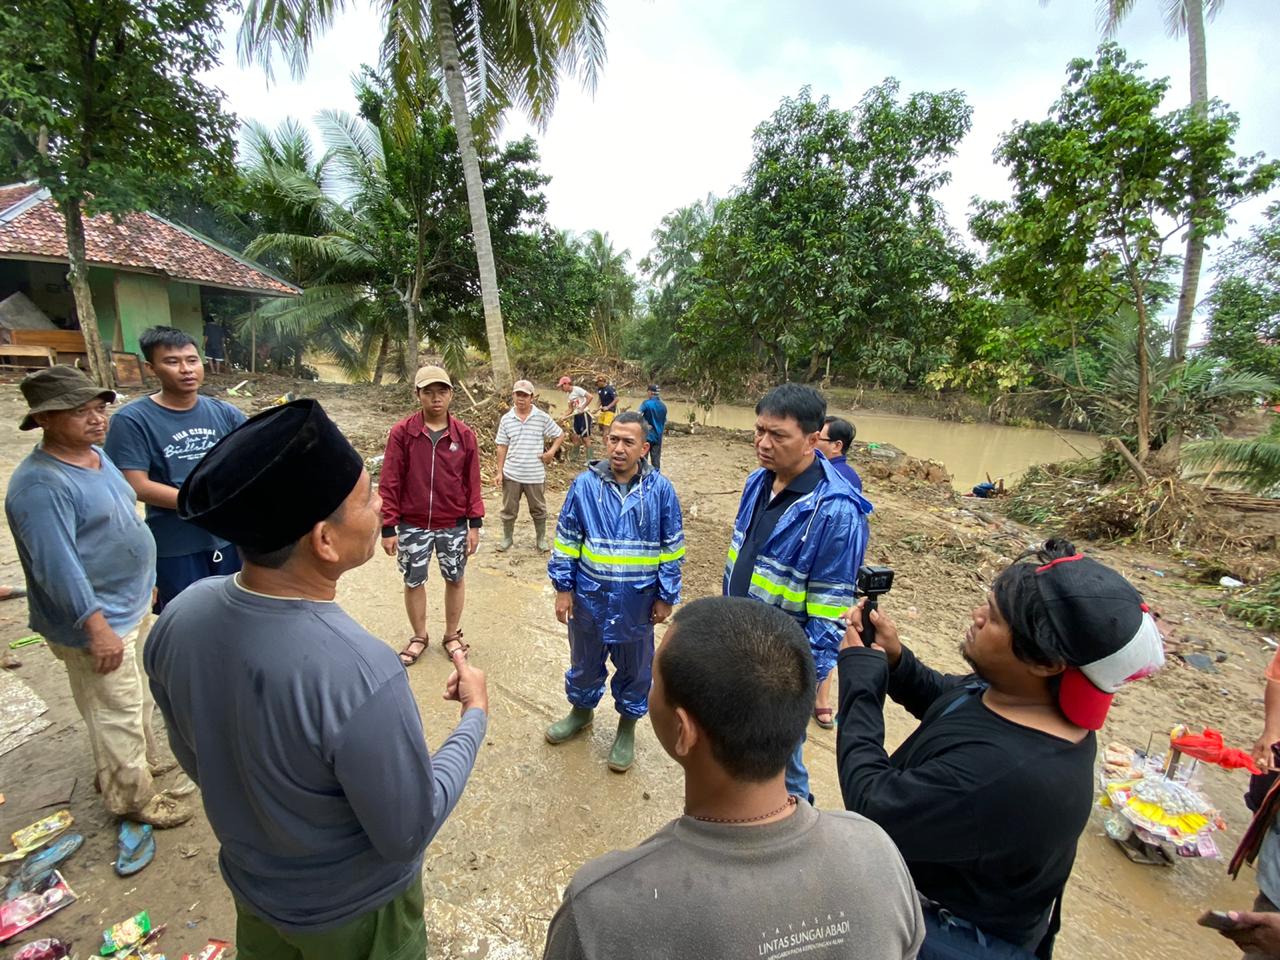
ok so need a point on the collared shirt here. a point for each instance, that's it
(841, 464)
(766, 512)
(525, 441)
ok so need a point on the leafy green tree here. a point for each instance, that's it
(375, 231)
(493, 54)
(836, 247)
(1182, 16)
(614, 291)
(1244, 306)
(1098, 190)
(101, 102)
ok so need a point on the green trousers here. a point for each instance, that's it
(395, 931)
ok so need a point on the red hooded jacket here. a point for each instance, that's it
(428, 485)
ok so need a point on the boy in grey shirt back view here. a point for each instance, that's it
(748, 870)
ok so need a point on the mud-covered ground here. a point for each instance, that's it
(533, 813)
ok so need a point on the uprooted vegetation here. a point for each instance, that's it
(1097, 499)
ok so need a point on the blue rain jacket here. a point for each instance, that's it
(809, 565)
(618, 552)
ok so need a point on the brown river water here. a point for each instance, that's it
(970, 451)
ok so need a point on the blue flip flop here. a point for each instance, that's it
(135, 849)
(42, 862)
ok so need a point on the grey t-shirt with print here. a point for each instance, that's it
(815, 886)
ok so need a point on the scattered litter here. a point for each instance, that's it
(47, 949)
(1270, 642)
(25, 641)
(1220, 657)
(125, 933)
(213, 950)
(42, 831)
(1201, 661)
(1230, 583)
(29, 909)
(9, 661)
(235, 391)
(186, 853)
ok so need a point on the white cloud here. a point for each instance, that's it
(686, 83)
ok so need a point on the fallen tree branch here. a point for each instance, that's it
(1130, 459)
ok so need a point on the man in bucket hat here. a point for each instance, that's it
(987, 798)
(89, 562)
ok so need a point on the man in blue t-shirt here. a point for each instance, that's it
(156, 441)
(654, 412)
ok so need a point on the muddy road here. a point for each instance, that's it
(533, 813)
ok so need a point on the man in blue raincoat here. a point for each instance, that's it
(615, 566)
(800, 534)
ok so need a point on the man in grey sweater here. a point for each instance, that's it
(748, 870)
(300, 726)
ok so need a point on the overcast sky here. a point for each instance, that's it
(687, 81)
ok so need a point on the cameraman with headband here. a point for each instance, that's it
(987, 798)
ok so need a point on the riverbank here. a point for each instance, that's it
(532, 813)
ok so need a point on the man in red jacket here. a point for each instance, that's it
(431, 501)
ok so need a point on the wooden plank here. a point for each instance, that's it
(64, 341)
(10, 351)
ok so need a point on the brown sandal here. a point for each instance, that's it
(407, 657)
(823, 716)
(454, 638)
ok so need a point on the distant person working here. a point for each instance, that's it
(654, 412)
(747, 870)
(988, 797)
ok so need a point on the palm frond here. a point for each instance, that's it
(354, 145)
(284, 28)
(1252, 464)
(318, 308)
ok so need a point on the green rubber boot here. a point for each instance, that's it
(572, 725)
(540, 529)
(623, 753)
(508, 531)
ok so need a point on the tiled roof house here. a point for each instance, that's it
(143, 270)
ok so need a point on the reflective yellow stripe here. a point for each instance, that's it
(619, 559)
(823, 610)
(674, 555)
(567, 548)
(733, 555)
(777, 589)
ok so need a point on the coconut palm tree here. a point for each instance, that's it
(494, 54)
(614, 290)
(1189, 17)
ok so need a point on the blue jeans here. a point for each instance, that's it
(950, 938)
(797, 773)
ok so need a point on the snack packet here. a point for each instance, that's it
(125, 933)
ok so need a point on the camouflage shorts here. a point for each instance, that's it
(413, 553)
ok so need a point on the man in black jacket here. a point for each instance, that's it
(987, 798)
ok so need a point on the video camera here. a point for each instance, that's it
(873, 583)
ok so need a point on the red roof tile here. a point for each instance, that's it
(18, 191)
(141, 241)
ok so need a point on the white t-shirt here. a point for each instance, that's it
(579, 399)
(525, 441)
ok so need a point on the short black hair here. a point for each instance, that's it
(277, 558)
(630, 416)
(154, 337)
(841, 431)
(744, 671)
(795, 401)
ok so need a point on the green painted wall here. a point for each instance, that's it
(141, 302)
(185, 311)
(102, 288)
